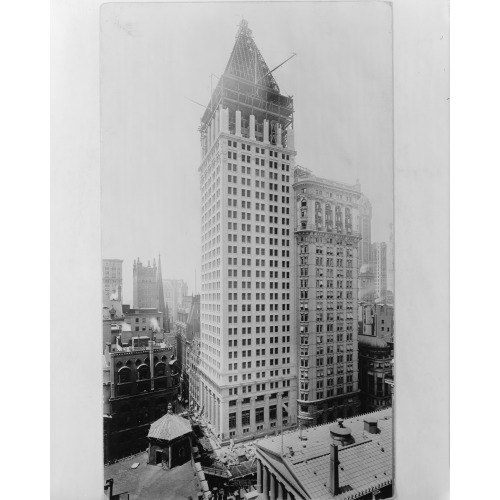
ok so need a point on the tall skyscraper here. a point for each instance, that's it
(145, 286)
(112, 280)
(379, 263)
(327, 235)
(248, 360)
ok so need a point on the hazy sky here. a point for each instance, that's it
(155, 55)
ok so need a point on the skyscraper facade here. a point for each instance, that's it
(327, 236)
(112, 279)
(379, 263)
(248, 356)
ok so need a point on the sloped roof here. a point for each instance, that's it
(169, 427)
(246, 61)
(371, 341)
(364, 466)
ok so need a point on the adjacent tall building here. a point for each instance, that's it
(248, 359)
(112, 280)
(327, 238)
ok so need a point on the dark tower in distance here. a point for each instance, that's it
(145, 288)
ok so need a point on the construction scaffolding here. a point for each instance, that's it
(248, 86)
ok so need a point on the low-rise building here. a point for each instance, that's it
(348, 460)
(375, 343)
(376, 320)
(139, 381)
(145, 319)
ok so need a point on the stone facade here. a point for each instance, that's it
(375, 373)
(133, 398)
(248, 338)
(327, 238)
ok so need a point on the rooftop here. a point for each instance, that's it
(169, 427)
(365, 465)
(151, 482)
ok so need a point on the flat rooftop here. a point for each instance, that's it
(152, 482)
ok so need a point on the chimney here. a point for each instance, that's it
(371, 425)
(109, 486)
(334, 469)
(341, 434)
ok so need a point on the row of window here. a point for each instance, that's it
(258, 329)
(258, 318)
(245, 342)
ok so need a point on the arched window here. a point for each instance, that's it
(143, 372)
(319, 215)
(124, 375)
(329, 217)
(129, 363)
(160, 370)
(303, 202)
(138, 362)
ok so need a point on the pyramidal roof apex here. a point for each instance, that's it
(246, 61)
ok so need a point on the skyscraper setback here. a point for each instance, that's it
(248, 342)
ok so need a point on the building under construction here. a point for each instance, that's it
(248, 361)
(247, 101)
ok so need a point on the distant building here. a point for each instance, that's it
(145, 285)
(377, 320)
(379, 263)
(327, 236)
(139, 383)
(112, 279)
(365, 231)
(112, 320)
(187, 327)
(175, 291)
(145, 320)
(349, 460)
(375, 373)
(376, 353)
